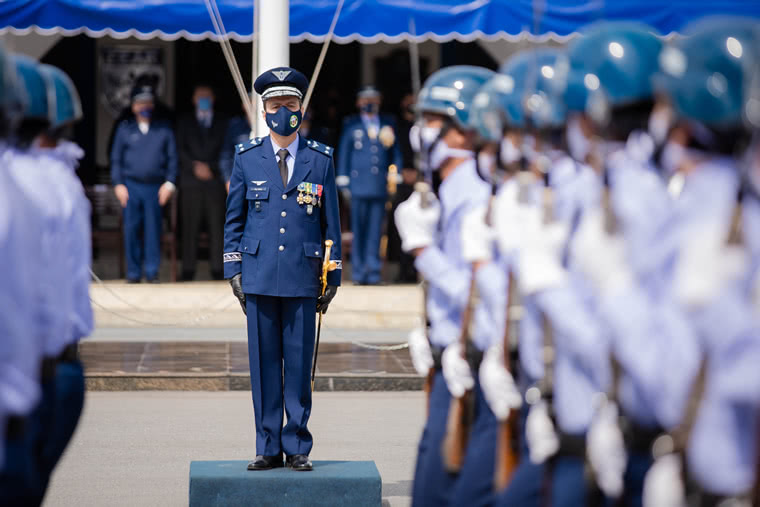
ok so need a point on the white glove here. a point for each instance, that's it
(456, 371)
(543, 441)
(706, 265)
(606, 450)
(540, 258)
(498, 386)
(478, 239)
(663, 484)
(419, 350)
(599, 256)
(415, 224)
(509, 217)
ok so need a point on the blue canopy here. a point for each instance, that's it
(362, 20)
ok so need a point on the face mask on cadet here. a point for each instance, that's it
(441, 152)
(486, 165)
(284, 122)
(673, 154)
(509, 153)
(146, 113)
(577, 143)
(659, 125)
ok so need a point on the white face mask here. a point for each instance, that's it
(486, 163)
(577, 143)
(441, 153)
(509, 152)
(659, 125)
(421, 138)
(673, 154)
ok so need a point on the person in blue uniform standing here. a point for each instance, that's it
(367, 149)
(144, 174)
(281, 208)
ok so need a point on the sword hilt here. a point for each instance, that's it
(327, 265)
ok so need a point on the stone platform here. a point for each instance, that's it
(331, 483)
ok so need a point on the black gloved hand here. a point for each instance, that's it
(324, 301)
(237, 289)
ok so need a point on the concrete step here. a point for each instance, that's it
(242, 382)
(331, 483)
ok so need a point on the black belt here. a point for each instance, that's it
(437, 355)
(474, 356)
(639, 438)
(14, 427)
(572, 445)
(70, 354)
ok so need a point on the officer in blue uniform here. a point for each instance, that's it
(281, 208)
(367, 148)
(144, 174)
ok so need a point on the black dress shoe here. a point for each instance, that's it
(265, 463)
(299, 463)
(133, 280)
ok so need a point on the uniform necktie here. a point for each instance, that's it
(283, 154)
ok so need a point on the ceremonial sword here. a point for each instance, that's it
(327, 266)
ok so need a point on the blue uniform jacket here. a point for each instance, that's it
(268, 236)
(147, 158)
(363, 162)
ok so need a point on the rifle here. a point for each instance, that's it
(327, 266)
(507, 455)
(461, 411)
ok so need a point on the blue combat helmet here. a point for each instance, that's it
(545, 84)
(496, 108)
(615, 61)
(65, 107)
(39, 94)
(13, 99)
(708, 73)
(450, 92)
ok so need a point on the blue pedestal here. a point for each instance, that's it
(331, 483)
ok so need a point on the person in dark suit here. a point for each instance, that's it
(368, 147)
(200, 137)
(282, 206)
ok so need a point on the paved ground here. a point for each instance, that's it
(210, 305)
(135, 448)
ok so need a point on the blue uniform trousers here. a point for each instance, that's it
(68, 403)
(281, 334)
(432, 483)
(527, 485)
(20, 478)
(568, 481)
(475, 484)
(635, 472)
(142, 230)
(366, 225)
(23, 481)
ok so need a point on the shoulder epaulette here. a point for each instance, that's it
(251, 143)
(319, 147)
